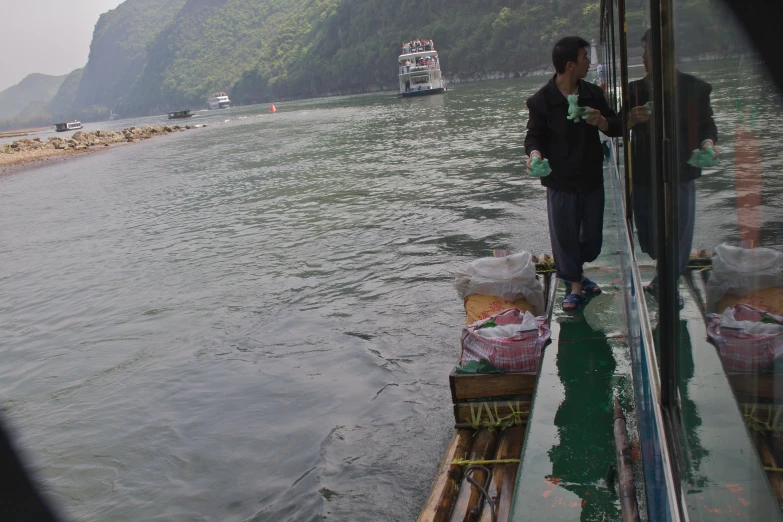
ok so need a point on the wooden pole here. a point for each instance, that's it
(507, 496)
(626, 487)
(510, 447)
(467, 504)
(768, 459)
(444, 488)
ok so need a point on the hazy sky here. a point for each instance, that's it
(46, 36)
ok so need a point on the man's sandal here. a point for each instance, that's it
(573, 302)
(589, 287)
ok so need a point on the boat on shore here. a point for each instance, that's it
(219, 100)
(175, 115)
(68, 126)
(419, 70)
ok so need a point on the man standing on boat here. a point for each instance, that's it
(696, 129)
(575, 187)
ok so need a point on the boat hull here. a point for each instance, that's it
(410, 94)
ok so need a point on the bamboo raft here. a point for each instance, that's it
(476, 478)
(759, 395)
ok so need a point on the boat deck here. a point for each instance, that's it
(570, 447)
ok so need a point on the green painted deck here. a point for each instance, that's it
(570, 441)
(570, 445)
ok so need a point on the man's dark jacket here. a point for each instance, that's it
(573, 149)
(694, 125)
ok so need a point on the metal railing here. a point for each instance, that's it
(405, 69)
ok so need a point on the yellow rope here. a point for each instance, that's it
(467, 462)
(495, 422)
(771, 425)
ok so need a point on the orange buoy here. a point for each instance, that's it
(272, 108)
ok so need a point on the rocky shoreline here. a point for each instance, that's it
(27, 151)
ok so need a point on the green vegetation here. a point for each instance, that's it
(150, 56)
(118, 52)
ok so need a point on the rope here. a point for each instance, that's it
(496, 422)
(771, 425)
(480, 462)
(482, 489)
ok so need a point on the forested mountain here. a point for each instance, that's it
(118, 52)
(60, 106)
(149, 56)
(36, 89)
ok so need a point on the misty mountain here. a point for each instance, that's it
(35, 90)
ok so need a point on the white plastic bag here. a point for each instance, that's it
(511, 277)
(510, 330)
(739, 271)
(727, 320)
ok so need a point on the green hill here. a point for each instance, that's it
(35, 90)
(62, 104)
(149, 56)
(273, 49)
(118, 52)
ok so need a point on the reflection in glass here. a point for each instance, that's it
(697, 135)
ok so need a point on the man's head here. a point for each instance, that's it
(570, 55)
(646, 42)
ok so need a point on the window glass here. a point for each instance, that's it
(726, 145)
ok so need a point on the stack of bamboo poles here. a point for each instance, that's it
(453, 498)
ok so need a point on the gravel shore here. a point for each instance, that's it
(31, 152)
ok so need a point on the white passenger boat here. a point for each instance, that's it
(419, 70)
(71, 125)
(219, 100)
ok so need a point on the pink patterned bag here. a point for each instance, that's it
(519, 353)
(740, 350)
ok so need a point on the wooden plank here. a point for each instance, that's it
(479, 386)
(483, 448)
(462, 410)
(444, 488)
(758, 385)
(510, 447)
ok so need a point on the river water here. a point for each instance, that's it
(255, 320)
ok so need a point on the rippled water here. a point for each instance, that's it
(256, 320)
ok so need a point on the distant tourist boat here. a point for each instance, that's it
(180, 114)
(419, 69)
(71, 125)
(219, 100)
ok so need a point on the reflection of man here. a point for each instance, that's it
(575, 187)
(585, 444)
(695, 130)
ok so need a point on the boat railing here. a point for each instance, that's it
(421, 49)
(404, 69)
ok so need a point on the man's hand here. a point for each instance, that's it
(534, 154)
(709, 143)
(640, 114)
(595, 118)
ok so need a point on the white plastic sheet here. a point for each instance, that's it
(738, 271)
(510, 277)
(510, 330)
